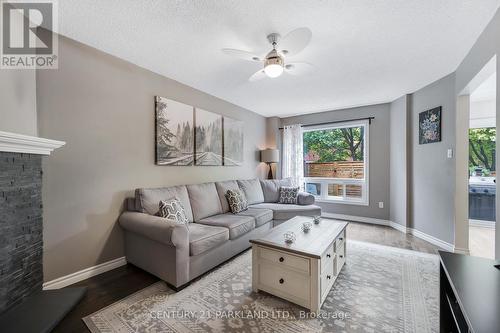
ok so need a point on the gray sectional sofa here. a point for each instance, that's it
(178, 253)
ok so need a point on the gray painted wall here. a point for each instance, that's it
(103, 108)
(432, 173)
(273, 140)
(379, 157)
(487, 45)
(399, 122)
(18, 101)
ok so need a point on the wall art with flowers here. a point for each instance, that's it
(429, 123)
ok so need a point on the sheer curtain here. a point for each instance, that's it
(293, 158)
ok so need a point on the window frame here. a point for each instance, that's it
(325, 181)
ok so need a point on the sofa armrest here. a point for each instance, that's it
(156, 228)
(304, 198)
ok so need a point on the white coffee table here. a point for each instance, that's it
(304, 271)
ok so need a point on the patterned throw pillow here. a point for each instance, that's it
(173, 209)
(237, 201)
(288, 194)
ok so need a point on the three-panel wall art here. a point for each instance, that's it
(187, 135)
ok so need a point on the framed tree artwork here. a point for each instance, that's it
(208, 137)
(233, 141)
(429, 124)
(174, 132)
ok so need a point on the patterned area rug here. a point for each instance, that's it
(380, 289)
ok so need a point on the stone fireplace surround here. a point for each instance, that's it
(24, 307)
(21, 227)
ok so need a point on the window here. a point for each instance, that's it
(336, 162)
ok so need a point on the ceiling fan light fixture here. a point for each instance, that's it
(273, 70)
(274, 62)
(273, 66)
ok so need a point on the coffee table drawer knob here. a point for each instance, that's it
(328, 255)
(282, 281)
(341, 256)
(282, 259)
(328, 277)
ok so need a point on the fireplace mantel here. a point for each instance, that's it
(24, 306)
(19, 143)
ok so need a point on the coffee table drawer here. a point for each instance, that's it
(284, 283)
(327, 279)
(285, 260)
(327, 257)
(341, 237)
(339, 246)
(340, 257)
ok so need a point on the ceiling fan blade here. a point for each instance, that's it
(295, 41)
(259, 75)
(299, 68)
(242, 54)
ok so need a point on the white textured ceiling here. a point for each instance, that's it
(364, 51)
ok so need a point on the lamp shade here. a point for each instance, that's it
(270, 156)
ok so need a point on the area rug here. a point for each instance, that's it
(380, 289)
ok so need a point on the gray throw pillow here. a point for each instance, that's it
(237, 201)
(173, 209)
(288, 194)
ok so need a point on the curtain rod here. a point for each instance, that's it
(338, 121)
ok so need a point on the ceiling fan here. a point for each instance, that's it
(274, 63)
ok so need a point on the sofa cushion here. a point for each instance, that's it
(222, 188)
(237, 224)
(148, 199)
(204, 200)
(304, 198)
(204, 237)
(261, 216)
(252, 190)
(271, 188)
(287, 211)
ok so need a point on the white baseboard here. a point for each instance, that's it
(461, 251)
(419, 234)
(357, 219)
(482, 224)
(399, 227)
(431, 239)
(86, 273)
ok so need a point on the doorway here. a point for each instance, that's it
(476, 231)
(482, 168)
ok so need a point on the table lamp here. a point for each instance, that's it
(270, 156)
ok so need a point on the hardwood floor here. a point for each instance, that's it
(107, 288)
(482, 242)
(104, 290)
(388, 236)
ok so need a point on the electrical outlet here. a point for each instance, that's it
(450, 153)
(381, 204)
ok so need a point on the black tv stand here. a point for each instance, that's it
(469, 294)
